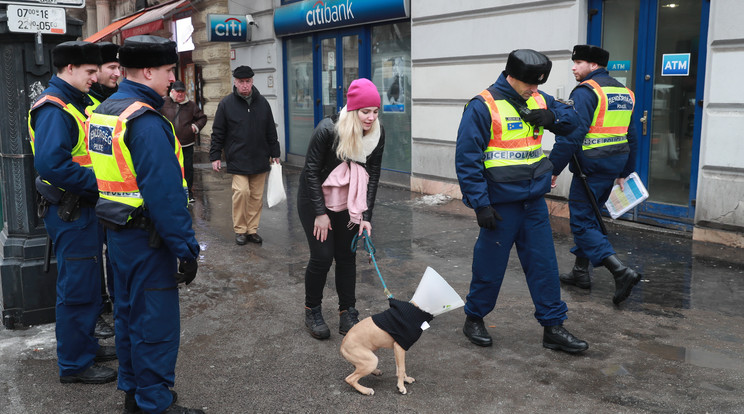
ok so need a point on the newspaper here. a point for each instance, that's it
(622, 201)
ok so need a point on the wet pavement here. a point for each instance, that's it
(675, 346)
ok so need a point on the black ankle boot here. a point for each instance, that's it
(316, 324)
(625, 278)
(579, 275)
(346, 319)
(476, 332)
(558, 338)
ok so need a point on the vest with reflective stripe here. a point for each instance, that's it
(514, 144)
(608, 132)
(80, 150)
(112, 163)
(89, 109)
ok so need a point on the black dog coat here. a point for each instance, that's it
(403, 322)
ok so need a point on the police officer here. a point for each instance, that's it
(143, 199)
(605, 145)
(503, 176)
(68, 188)
(108, 81)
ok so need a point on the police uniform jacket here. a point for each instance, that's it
(150, 140)
(585, 102)
(472, 140)
(56, 134)
(321, 160)
(247, 134)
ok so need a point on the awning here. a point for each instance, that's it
(113, 27)
(151, 20)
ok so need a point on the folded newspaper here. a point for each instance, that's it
(621, 201)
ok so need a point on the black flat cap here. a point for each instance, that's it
(76, 53)
(591, 53)
(243, 72)
(178, 86)
(529, 66)
(109, 52)
(146, 51)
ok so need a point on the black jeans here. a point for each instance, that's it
(336, 247)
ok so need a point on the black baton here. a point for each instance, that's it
(47, 254)
(590, 194)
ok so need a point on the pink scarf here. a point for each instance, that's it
(346, 188)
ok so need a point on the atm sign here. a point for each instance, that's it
(677, 64)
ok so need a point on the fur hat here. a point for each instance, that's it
(591, 53)
(529, 66)
(109, 52)
(243, 72)
(362, 93)
(76, 53)
(146, 51)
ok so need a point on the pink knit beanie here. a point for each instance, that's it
(362, 94)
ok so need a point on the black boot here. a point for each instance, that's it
(347, 319)
(579, 275)
(177, 409)
(131, 407)
(625, 278)
(315, 323)
(558, 338)
(103, 329)
(476, 331)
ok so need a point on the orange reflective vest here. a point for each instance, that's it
(608, 132)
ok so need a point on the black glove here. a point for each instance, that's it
(540, 117)
(187, 271)
(487, 217)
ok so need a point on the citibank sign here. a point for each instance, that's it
(228, 28)
(313, 15)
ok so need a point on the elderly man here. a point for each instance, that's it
(244, 127)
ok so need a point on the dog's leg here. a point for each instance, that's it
(400, 368)
(365, 364)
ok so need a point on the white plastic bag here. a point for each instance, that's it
(275, 193)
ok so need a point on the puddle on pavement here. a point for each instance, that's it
(694, 356)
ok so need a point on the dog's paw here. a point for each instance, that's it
(377, 372)
(409, 380)
(369, 391)
(402, 390)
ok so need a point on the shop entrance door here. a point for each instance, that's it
(340, 61)
(657, 49)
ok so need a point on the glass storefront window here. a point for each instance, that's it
(391, 71)
(300, 93)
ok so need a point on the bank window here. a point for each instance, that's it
(391, 72)
(300, 93)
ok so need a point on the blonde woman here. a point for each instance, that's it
(336, 195)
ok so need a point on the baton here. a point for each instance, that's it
(47, 254)
(590, 194)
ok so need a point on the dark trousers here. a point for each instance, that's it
(588, 237)
(336, 247)
(188, 167)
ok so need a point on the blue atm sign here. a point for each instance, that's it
(675, 64)
(227, 28)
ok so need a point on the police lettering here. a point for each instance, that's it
(600, 141)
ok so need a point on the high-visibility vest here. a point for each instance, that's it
(608, 132)
(90, 108)
(80, 150)
(515, 146)
(119, 193)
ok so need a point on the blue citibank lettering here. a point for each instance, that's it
(677, 64)
(313, 15)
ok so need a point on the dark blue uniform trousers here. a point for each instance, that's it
(588, 237)
(77, 249)
(526, 224)
(147, 317)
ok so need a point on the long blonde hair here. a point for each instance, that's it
(349, 134)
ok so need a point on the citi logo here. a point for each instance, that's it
(322, 14)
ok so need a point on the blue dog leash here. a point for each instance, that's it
(370, 248)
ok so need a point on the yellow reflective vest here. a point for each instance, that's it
(515, 146)
(119, 193)
(608, 132)
(80, 150)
